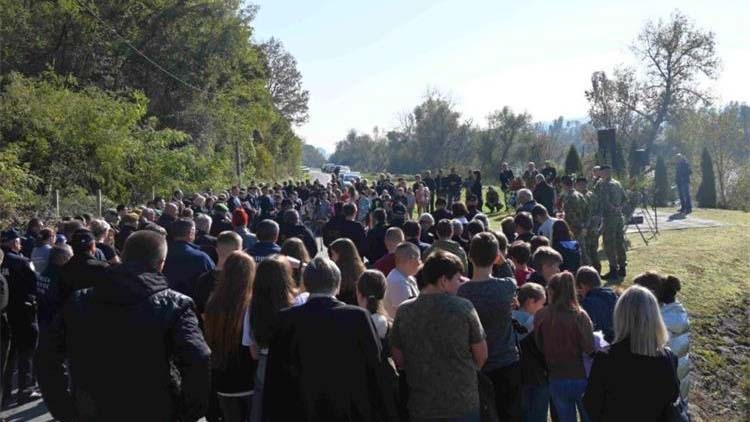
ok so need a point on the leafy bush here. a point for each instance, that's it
(573, 163)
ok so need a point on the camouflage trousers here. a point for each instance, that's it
(591, 247)
(614, 241)
(579, 235)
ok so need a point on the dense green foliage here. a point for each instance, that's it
(661, 184)
(573, 163)
(83, 109)
(706, 195)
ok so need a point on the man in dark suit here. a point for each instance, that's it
(324, 359)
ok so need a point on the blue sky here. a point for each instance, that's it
(365, 63)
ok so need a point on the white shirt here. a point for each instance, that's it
(546, 228)
(399, 288)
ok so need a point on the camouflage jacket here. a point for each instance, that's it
(576, 209)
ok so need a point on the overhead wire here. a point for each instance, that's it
(139, 52)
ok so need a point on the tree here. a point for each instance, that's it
(706, 195)
(312, 157)
(674, 56)
(573, 163)
(503, 130)
(285, 82)
(661, 184)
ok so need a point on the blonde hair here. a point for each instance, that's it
(637, 317)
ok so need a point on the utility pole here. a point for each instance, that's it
(238, 162)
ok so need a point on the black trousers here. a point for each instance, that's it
(507, 383)
(23, 342)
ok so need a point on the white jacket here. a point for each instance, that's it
(676, 319)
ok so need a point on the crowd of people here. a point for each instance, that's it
(381, 301)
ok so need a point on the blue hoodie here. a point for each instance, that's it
(263, 250)
(599, 303)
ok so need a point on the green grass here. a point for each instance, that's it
(712, 264)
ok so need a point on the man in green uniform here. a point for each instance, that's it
(593, 222)
(611, 198)
(576, 213)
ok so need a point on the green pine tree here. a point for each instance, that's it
(661, 184)
(573, 163)
(707, 190)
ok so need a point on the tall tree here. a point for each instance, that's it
(573, 163)
(674, 56)
(661, 183)
(311, 156)
(285, 82)
(706, 195)
(502, 132)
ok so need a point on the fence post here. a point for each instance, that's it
(57, 203)
(99, 201)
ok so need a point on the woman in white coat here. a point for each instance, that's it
(676, 319)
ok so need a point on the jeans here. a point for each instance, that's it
(567, 394)
(471, 417)
(236, 409)
(683, 190)
(507, 384)
(535, 402)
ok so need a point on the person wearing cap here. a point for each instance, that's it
(133, 348)
(83, 270)
(239, 225)
(185, 260)
(22, 318)
(611, 199)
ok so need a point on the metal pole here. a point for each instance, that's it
(57, 203)
(153, 193)
(238, 163)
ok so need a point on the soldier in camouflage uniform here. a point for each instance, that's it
(576, 211)
(593, 222)
(612, 199)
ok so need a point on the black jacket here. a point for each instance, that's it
(624, 386)
(375, 242)
(302, 233)
(325, 364)
(22, 280)
(545, 195)
(81, 272)
(134, 350)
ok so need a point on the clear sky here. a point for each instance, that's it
(366, 62)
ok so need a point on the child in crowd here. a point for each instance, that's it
(370, 293)
(520, 254)
(538, 241)
(547, 263)
(599, 302)
(534, 388)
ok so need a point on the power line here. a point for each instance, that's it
(139, 52)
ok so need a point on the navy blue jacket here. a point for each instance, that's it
(599, 303)
(185, 263)
(263, 250)
(22, 280)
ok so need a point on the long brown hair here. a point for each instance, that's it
(350, 264)
(562, 289)
(226, 307)
(295, 248)
(371, 285)
(273, 291)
